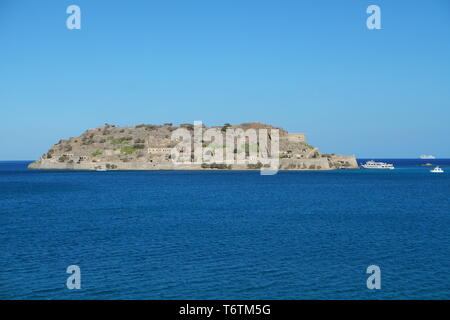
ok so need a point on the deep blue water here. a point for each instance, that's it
(225, 235)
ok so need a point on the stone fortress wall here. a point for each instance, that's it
(296, 137)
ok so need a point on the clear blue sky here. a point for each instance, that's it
(308, 66)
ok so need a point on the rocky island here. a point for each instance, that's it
(148, 147)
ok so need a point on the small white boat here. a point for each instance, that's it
(378, 165)
(427, 156)
(100, 169)
(437, 170)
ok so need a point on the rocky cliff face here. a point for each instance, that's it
(148, 147)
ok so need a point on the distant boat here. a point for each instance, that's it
(437, 170)
(378, 165)
(100, 169)
(429, 156)
(426, 164)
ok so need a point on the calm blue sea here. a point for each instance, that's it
(225, 235)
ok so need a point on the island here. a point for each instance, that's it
(149, 147)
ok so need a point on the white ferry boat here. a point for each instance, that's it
(425, 156)
(437, 170)
(378, 165)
